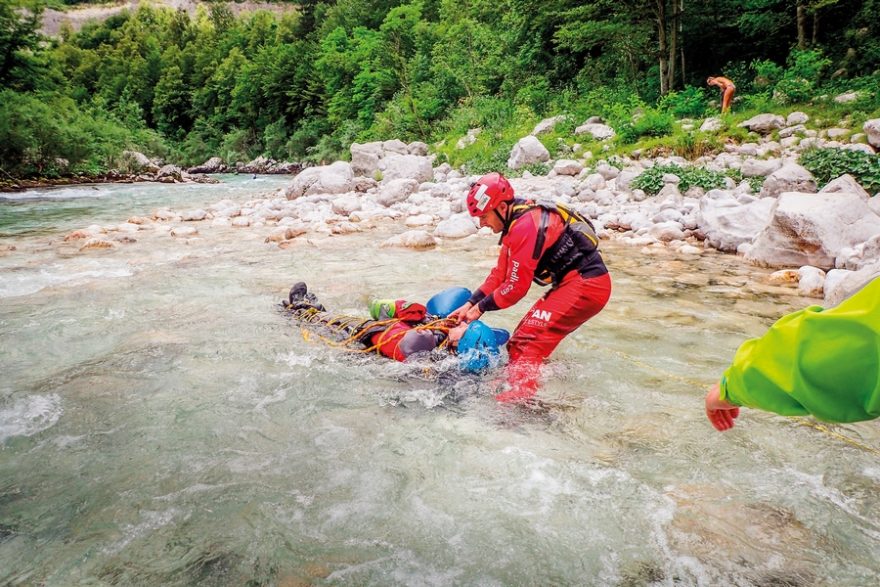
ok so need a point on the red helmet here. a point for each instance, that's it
(488, 193)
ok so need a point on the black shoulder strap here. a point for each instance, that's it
(542, 233)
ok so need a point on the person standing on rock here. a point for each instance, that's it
(545, 243)
(727, 90)
(815, 362)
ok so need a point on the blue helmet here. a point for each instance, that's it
(445, 302)
(478, 347)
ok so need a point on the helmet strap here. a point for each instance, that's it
(505, 220)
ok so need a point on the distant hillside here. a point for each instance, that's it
(77, 16)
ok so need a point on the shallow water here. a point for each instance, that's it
(162, 423)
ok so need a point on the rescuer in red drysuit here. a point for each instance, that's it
(727, 90)
(546, 243)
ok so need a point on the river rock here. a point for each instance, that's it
(241, 221)
(547, 125)
(184, 231)
(411, 167)
(795, 118)
(811, 281)
(567, 167)
(791, 177)
(847, 184)
(599, 132)
(212, 165)
(872, 129)
(527, 151)
(712, 124)
(457, 226)
(97, 243)
(136, 162)
(763, 123)
(193, 215)
(172, 172)
(344, 228)
(336, 178)
(396, 190)
(812, 229)
(413, 239)
(727, 223)
(346, 204)
(365, 158)
(419, 220)
(784, 277)
(760, 167)
(841, 284)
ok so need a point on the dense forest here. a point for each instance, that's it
(303, 85)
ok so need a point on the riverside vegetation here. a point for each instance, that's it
(303, 85)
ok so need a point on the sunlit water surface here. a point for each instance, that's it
(162, 423)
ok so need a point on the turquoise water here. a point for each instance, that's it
(162, 423)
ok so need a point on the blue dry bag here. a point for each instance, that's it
(444, 303)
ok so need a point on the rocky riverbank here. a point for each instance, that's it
(824, 240)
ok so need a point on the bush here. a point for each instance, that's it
(828, 164)
(651, 123)
(688, 103)
(651, 180)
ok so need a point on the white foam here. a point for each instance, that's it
(73, 193)
(29, 415)
(23, 283)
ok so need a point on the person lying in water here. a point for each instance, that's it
(398, 329)
(815, 362)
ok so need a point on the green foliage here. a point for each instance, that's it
(828, 164)
(687, 103)
(802, 76)
(304, 84)
(651, 122)
(36, 131)
(651, 180)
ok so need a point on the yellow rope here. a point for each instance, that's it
(341, 322)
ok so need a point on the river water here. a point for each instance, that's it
(162, 423)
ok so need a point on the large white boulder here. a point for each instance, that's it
(764, 123)
(527, 151)
(365, 158)
(791, 177)
(760, 167)
(336, 178)
(413, 167)
(396, 190)
(599, 132)
(812, 229)
(845, 183)
(547, 125)
(457, 226)
(872, 129)
(727, 223)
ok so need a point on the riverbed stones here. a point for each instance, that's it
(527, 151)
(791, 177)
(336, 178)
(184, 231)
(763, 123)
(457, 226)
(872, 130)
(97, 243)
(812, 229)
(413, 239)
(727, 223)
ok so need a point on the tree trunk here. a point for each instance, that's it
(673, 45)
(663, 48)
(816, 27)
(802, 25)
